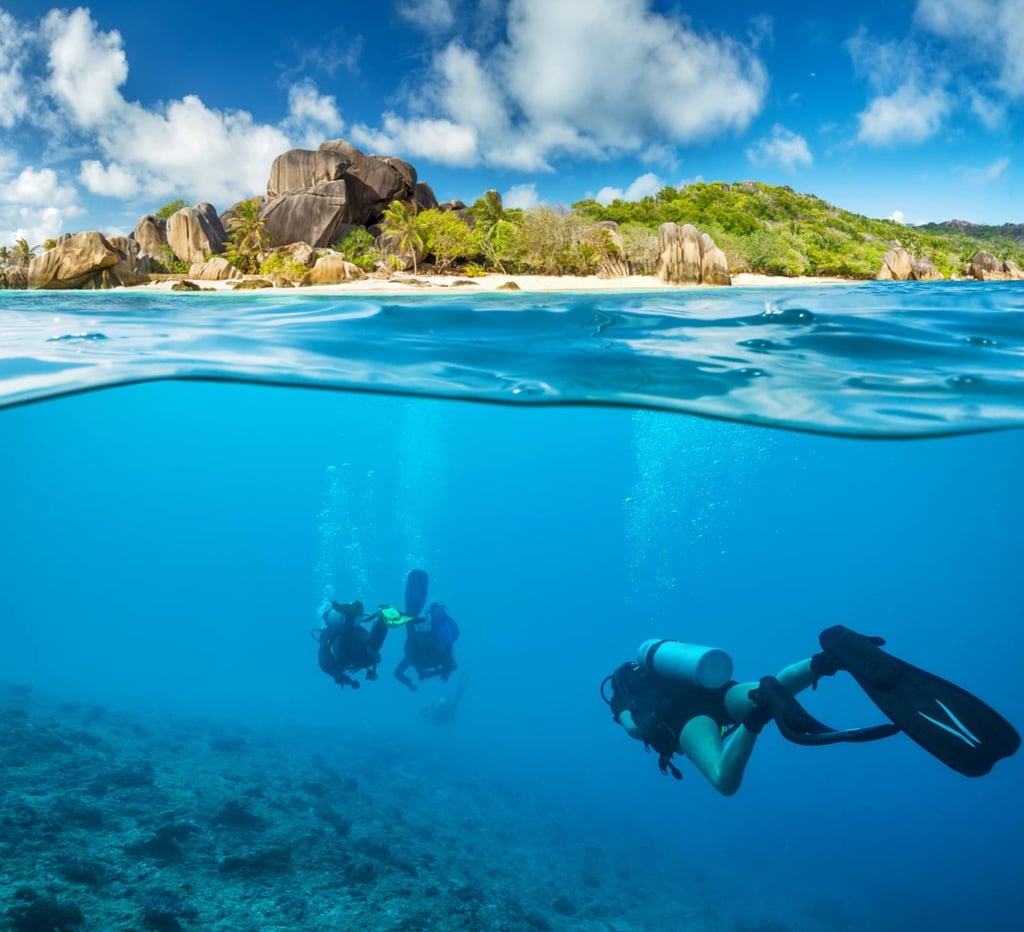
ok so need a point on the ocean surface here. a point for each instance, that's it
(184, 480)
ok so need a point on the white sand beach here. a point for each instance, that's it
(407, 283)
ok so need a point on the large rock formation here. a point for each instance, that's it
(332, 270)
(318, 197)
(985, 267)
(151, 235)
(193, 233)
(214, 269)
(900, 266)
(88, 260)
(688, 258)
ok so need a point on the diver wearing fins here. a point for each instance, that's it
(680, 698)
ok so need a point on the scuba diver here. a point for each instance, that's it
(680, 698)
(429, 652)
(347, 646)
(442, 711)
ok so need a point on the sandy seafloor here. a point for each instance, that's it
(128, 819)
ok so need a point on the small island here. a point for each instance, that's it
(335, 216)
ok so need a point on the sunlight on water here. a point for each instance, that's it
(871, 359)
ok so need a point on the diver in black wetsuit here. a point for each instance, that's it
(347, 646)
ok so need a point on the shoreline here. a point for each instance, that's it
(407, 283)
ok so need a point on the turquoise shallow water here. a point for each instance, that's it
(171, 752)
(863, 360)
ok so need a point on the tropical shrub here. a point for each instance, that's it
(169, 210)
(284, 266)
(447, 237)
(359, 248)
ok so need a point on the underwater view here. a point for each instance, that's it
(196, 490)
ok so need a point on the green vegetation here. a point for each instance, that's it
(359, 248)
(168, 210)
(284, 266)
(249, 239)
(447, 237)
(774, 230)
(168, 262)
(399, 222)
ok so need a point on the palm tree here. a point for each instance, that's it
(400, 221)
(487, 212)
(249, 236)
(22, 254)
(5, 257)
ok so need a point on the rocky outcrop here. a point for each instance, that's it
(214, 269)
(151, 235)
(88, 260)
(332, 270)
(688, 258)
(985, 267)
(320, 196)
(14, 277)
(898, 265)
(193, 233)
(316, 216)
(297, 170)
(424, 197)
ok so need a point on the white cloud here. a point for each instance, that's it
(87, 67)
(783, 147)
(42, 187)
(109, 180)
(442, 140)
(588, 80)
(988, 173)
(520, 196)
(987, 30)
(896, 215)
(14, 94)
(909, 115)
(312, 116)
(195, 151)
(991, 113)
(644, 186)
(431, 15)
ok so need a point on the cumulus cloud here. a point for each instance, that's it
(443, 140)
(644, 186)
(34, 204)
(783, 147)
(986, 30)
(14, 93)
(109, 180)
(87, 67)
(312, 116)
(991, 113)
(911, 102)
(896, 215)
(910, 115)
(593, 80)
(520, 197)
(37, 187)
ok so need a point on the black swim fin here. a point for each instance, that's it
(415, 592)
(796, 724)
(948, 722)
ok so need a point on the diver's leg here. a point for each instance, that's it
(722, 763)
(378, 632)
(794, 679)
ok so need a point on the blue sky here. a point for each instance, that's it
(904, 109)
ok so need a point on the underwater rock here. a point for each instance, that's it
(162, 908)
(264, 861)
(43, 914)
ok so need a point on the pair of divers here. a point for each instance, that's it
(351, 641)
(680, 698)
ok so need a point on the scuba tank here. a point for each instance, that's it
(708, 667)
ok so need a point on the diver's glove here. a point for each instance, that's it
(761, 712)
(824, 664)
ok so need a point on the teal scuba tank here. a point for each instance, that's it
(708, 667)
